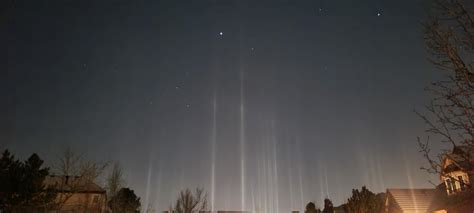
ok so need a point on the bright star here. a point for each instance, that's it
(379, 14)
(221, 33)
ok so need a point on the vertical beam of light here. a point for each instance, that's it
(275, 169)
(242, 127)
(290, 174)
(268, 170)
(213, 150)
(372, 164)
(242, 142)
(381, 178)
(266, 188)
(158, 187)
(290, 184)
(320, 171)
(215, 69)
(368, 162)
(409, 177)
(300, 178)
(258, 186)
(326, 180)
(148, 187)
(252, 195)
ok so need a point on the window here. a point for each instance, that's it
(449, 186)
(461, 183)
(453, 184)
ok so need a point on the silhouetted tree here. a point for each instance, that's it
(125, 201)
(449, 36)
(328, 207)
(311, 208)
(187, 202)
(364, 201)
(22, 184)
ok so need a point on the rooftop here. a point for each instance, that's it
(75, 184)
(412, 199)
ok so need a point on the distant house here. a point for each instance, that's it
(457, 178)
(454, 194)
(77, 194)
(409, 200)
(457, 169)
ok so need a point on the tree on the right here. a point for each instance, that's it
(125, 201)
(364, 201)
(449, 38)
(311, 208)
(189, 202)
(328, 206)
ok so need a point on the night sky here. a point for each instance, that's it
(265, 104)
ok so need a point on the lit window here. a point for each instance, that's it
(453, 184)
(449, 186)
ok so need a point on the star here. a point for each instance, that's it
(252, 49)
(187, 105)
(221, 33)
(320, 9)
(177, 87)
(379, 14)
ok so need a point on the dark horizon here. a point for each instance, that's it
(267, 104)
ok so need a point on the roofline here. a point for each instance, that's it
(412, 188)
(82, 191)
(389, 196)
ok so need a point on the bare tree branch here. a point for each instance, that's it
(449, 38)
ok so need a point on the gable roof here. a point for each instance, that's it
(462, 158)
(412, 199)
(72, 184)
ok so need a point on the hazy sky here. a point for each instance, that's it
(265, 104)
